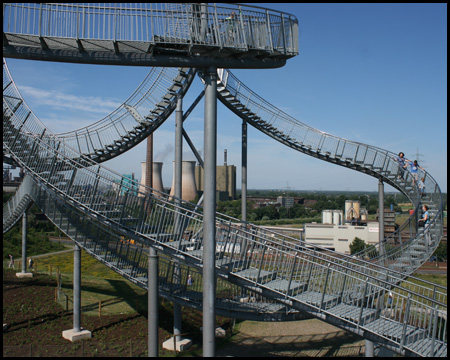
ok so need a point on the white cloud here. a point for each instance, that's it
(58, 100)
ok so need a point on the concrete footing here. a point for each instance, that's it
(24, 275)
(219, 332)
(182, 345)
(72, 335)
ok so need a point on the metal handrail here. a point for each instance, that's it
(169, 23)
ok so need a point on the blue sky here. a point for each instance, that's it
(373, 73)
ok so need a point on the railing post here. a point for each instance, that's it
(269, 31)
(405, 321)
(362, 301)
(292, 275)
(40, 21)
(325, 286)
(152, 288)
(242, 27)
(344, 282)
(216, 27)
(433, 338)
(261, 260)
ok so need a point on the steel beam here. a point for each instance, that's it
(138, 59)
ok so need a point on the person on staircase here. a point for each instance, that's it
(402, 165)
(426, 223)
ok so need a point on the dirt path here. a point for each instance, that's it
(310, 337)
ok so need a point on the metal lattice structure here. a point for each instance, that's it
(102, 211)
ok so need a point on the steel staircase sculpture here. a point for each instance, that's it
(414, 250)
(84, 200)
(105, 214)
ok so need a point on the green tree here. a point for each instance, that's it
(441, 251)
(357, 245)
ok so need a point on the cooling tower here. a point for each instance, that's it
(188, 187)
(156, 176)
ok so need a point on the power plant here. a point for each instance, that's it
(225, 180)
(156, 175)
(188, 185)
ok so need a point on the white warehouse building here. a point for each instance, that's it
(339, 237)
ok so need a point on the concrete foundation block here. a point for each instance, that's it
(71, 335)
(24, 275)
(219, 332)
(182, 345)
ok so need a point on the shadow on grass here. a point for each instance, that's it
(336, 344)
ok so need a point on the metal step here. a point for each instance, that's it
(283, 285)
(353, 313)
(424, 346)
(315, 298)
(259, 276)
(392, 329)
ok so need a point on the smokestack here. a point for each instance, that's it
(188, 186)
(149, 161)
(225, 157)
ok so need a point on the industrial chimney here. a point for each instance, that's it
(188, 186)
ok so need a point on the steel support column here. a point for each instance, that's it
(152, 287)
(178, 147)
(76, 288)
(76, 333)
(24, 242)
(244, 172)
(209, 203)
(369, 348)
(178, 195)
(381, 216)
